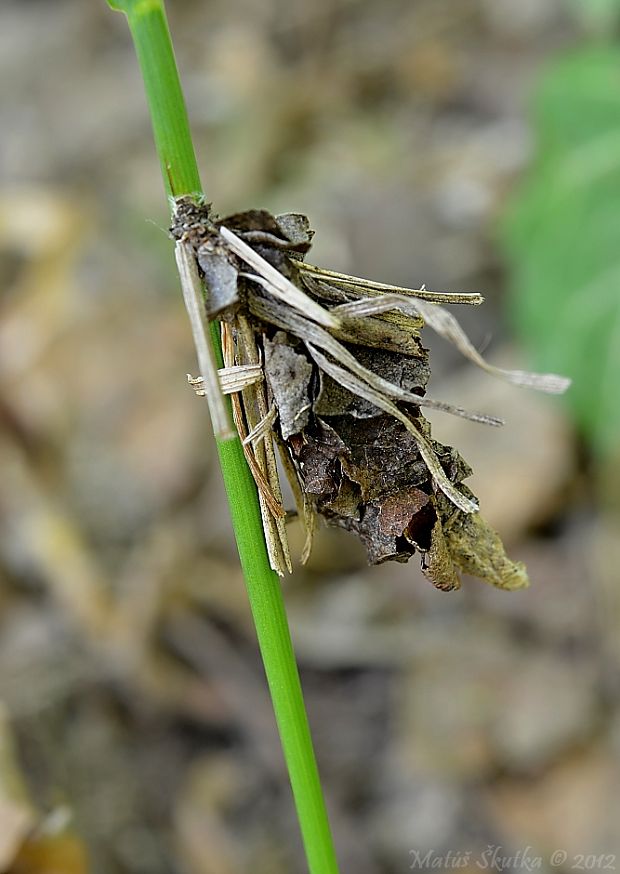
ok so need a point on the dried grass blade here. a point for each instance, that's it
(257, 414)
(262, 428)
(231, 379)
(277, 284)
(472, 298)
(392, 320)
(470, 415)
(191, 286)
(264, 490)
(444, 324)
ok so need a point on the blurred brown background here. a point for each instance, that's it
(135, 725)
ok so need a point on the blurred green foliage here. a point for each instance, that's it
(562, 235)
(597, 14)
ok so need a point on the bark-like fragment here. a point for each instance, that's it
(288, 374)
(295, 227)
(220, 277)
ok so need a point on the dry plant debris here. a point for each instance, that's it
(330, 368)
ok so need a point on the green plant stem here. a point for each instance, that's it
(149, 29)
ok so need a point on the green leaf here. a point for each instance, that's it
(562, 236)
(131, 6)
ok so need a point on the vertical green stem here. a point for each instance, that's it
(173, 142)
(149, 29)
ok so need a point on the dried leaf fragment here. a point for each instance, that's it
(289, 375)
